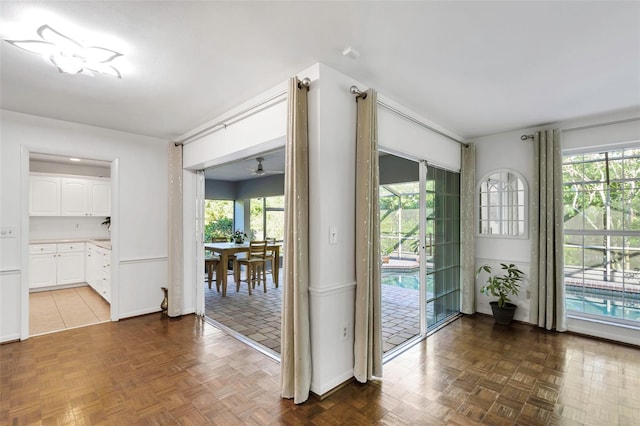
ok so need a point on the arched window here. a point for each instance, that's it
(502, 197)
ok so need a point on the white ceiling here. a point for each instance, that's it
(476, 68)
(243, 169)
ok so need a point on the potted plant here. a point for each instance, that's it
(238, 237)
(501, 286)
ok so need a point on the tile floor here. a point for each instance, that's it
(66, 308)
(258, 316)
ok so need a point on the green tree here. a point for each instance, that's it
(218, 219)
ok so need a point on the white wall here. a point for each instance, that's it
(506, 150)
(65, 227)
(410, 140)
(332, 127)
(140, 208)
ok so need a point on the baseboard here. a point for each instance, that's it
(482, 314)
(571, 332)
(10, 339)
(332, 390)
(603, 339)
(139, 313)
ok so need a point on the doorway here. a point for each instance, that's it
(249, 193)
(68, 243)
(420, 249)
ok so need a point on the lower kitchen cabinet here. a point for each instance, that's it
(98, 264)
(56, 264)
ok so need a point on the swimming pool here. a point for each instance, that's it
(606, 303)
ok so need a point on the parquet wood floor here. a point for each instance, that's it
(154, 371)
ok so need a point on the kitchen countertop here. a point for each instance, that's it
(100, 242)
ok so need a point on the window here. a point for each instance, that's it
(602, 234)
(502, 198)
(218, 219)
(267, 218)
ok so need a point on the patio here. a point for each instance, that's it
(258, 316)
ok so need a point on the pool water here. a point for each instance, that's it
(601, 305)
(596, 304)
(410, 281)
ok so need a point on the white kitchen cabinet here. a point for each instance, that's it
(70, 263)
(42, 265)
(103, 273)
(85, 197)
(69, 196)
(56, 264)
(98, 265)
(73, 197)
(99, 197)
(44, 195)
(90, 265)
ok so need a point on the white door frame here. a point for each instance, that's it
(25, 152)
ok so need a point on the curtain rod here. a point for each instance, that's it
(354, 90)
(589, 126)
(253, 109)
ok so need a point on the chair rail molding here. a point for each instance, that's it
(334, 289)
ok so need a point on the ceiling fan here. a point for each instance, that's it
(260, 171)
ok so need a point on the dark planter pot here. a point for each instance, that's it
(505, 314)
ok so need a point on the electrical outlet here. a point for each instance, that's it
(345, 332)
(528, 294)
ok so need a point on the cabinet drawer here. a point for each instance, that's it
(42, 248)
(69, 247)
(104, 253)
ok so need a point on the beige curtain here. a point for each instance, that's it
(468, 229)
(295, 374)
(175, 252)
(368, 323)
(547, 275)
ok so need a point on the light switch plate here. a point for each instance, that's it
(8, 232)
(333, 235)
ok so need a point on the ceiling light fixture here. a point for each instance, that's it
(68, 55)
(74, 159)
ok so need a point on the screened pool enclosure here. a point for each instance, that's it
(420, 247)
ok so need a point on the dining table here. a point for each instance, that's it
(226, 251)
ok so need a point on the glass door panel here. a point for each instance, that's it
(400, 250)
(442, 245)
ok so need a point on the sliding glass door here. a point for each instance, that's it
(442, 245)
(419, 247)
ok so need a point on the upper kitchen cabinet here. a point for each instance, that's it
(73, 197)
(44, 195)
(99, 197)
(69, 196)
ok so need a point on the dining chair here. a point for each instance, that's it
(255, 263)
(211, 262)
(270, 256)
